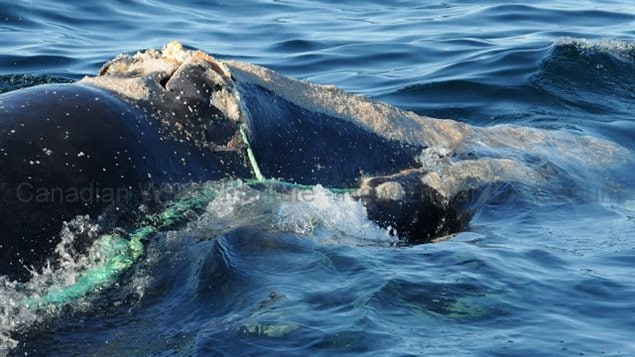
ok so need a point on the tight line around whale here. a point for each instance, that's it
(177, 116)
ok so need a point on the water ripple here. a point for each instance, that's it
(537, 272)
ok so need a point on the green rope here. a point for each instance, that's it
(123, 250)
(250, 155)
(274, 183)
(129, 250)
(260, 179)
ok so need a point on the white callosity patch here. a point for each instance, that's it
(383, 119)
(449, 177)
(502, 148)
(408, 127)
(390, 191)
(228, 101)
(144, 76)
(398, 124)
(472, 174)
(434, 158)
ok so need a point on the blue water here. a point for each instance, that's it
(531, 275)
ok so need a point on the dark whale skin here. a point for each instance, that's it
(301, 146)
(70, 149)
(177, 116)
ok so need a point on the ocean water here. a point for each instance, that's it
(534, 273)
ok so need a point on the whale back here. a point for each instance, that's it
(71, 149)
(296, 144)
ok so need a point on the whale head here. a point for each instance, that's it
(189, 92)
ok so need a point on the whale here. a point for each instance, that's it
(179, 115)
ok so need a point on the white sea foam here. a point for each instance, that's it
(331, 217)
(315, 213)
(623, 49)
(16, 316)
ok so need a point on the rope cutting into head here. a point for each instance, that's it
(250, 155)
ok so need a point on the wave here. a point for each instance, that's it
(621, 49)
(541, 14)
(321, 217)
(48, 63)
(570, 83)
(314, 214)
(594, 76)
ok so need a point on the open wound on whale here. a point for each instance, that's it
(204, 119)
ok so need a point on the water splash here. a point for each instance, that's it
(312, 212)
(16, 316)
(622, 49)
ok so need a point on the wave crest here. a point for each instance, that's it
(618, 48)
